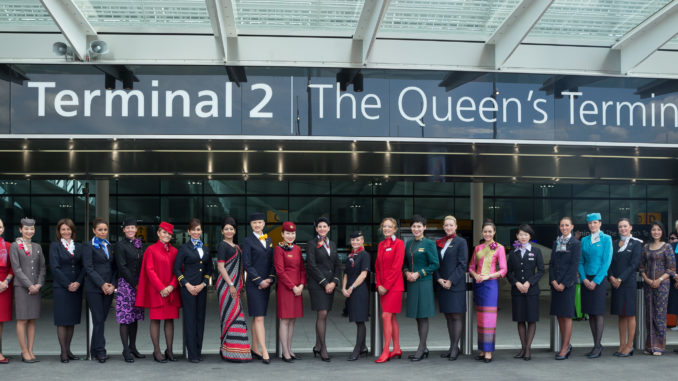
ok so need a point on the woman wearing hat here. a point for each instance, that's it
(257, 255)
(324, 269)
(28, 264)
(289, 265)
(596, 256)
(234, 345)
(158, 290)
(193, 268)
(389, 277)
(355, 289)
(451, 282)
(129, 255)
(421, 260)
(7, 275)
(99, 263)
(657, 265)
(65, 260)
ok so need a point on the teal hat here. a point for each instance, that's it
(593, 217)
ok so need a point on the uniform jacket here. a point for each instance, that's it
(454, 264)
(99, 269)
(529, 267)
(625, 263)
(28, 269)
(257, 260)
(156, 274)
(190, 268)
(563, 268)
(66, 268)
(128, 261)
(321, 267)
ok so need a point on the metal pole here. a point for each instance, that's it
(88, 322)
(640, 315)
(377, 329)
(556, 340)
(278, 347)
(467, 340)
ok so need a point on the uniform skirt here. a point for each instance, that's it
(525, 307)
(26, 307)
(623, 300)
(392, 302)
(593, 302)
(125, 311)
(320, 300)
(164, 312)
(562, 302)
(67, 306)
(257, 300)
(358, 304)
(451, 302)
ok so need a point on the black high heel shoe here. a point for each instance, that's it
(257, 356)
(160, 360)
(169, 356)
(597, 352)
(446, 355)
(71, 356)
(423, 355)
(316, 352)
(296, 357)
(288, 360)
(567, 354)
(135, 353)
(519, 355)
(64, 359)
(127, 356)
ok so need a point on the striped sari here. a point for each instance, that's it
(235, 346)
(486, 295)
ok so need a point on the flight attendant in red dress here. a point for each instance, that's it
(289, 265)
(157, 290)
(388, 271)
(6, 275)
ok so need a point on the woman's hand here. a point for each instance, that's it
(233, 291)
(4, 285)
(329, 288)
(265, 284)
(382, 291)
(73, 287)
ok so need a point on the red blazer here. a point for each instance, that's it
(156, 274)
(6, 268)
(389, 265)
(289, 265)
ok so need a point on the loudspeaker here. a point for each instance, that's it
(98, 47)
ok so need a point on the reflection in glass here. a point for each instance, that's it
(307, 209)
(392, 207)
(352, 210)
(583, 207)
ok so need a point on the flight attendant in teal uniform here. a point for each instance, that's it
(421, 260)
(596, 256)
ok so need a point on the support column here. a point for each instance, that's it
(476, 211)
(673, 209)
(102, 200)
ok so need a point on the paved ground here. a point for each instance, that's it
(541, 367)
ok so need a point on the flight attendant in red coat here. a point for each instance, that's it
(6, 275)
(388, 271)
(289, 265)
(157, 290)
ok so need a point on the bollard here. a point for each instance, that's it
(640, 316)
(556, 339)
(467, 339)
(377, 333)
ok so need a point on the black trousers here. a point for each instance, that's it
(99, 305)
(194, 321)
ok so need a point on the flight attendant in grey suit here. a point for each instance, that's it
(324, 272)
(99, 262)
(257, 256)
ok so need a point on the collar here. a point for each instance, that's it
(98, 242)
(393, 238)
(624, 238)
(442, 241)
(596, 234)
(286, 246)
(356, 251)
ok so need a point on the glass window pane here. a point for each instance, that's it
(275, 208)
(267, 187)
(225, 187)
(50, 209)
(309, 187)
(583, 207)
(137, 186)
(217, 208)
(396, 207)
(307, 209)
(488, 209)
(627, 191)
(79, 186)
(462, 189)
(51, 186)
(434, 207)
(356, 210)
(509, 189)
(513, 211)
(14, 186)
(183, 186)
(550, 211)
(658, 191)
(13, 210)
(145, 208)
(591, 190)
(352, 187)
(462, 208)
(434, 189)
(553, 190)
(179, 210)
(631, 209)
(488, 189)
(659, 210)
(394, 188)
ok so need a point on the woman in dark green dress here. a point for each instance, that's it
(421, 260)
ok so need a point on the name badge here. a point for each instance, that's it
(530, 255)
(290, 256)
(388, 249)
(530, 259)
(270, 245)
(421, 250)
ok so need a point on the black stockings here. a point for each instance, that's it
(526, 331)
(155, 335)
(360, 339)
(320, 328)
(422, 327)
(128, 335)
(596, 323)
(454, 327)
(65, 335)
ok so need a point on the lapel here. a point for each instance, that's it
(448, 252)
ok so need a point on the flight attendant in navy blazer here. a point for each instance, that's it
(99, 262)
(451, 282)
(193, 268)
(65, 260)
(257, 255)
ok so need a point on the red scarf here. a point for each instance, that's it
(441, 242)
(3, 253)
(323, 242)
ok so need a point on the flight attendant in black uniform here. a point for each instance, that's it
(324, 272)
(355, 289)
(257, 255)
(65, 260)
(563, 271)
(622, 274)
(99, 262)
(193, 269)
(525, 268)
(451, 282)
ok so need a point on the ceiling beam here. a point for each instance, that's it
(368, 25)
(511, 33)
(643, 40)
(73, 25)
(222, 18)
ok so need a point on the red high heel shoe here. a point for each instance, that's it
(395, 354)
(385, 356)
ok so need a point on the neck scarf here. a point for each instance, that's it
(136, 242)
(286, 246)
(324, 241)
(197, 243)
(69, 246)
(441, 242)
(561, 242)
(354, 252)
(3, 253)
(101, 244)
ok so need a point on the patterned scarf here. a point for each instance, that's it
(442, 241)
(3, 253)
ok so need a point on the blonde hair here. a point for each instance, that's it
(393, 220)
(450, 217)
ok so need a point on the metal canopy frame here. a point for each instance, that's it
(645, 51)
